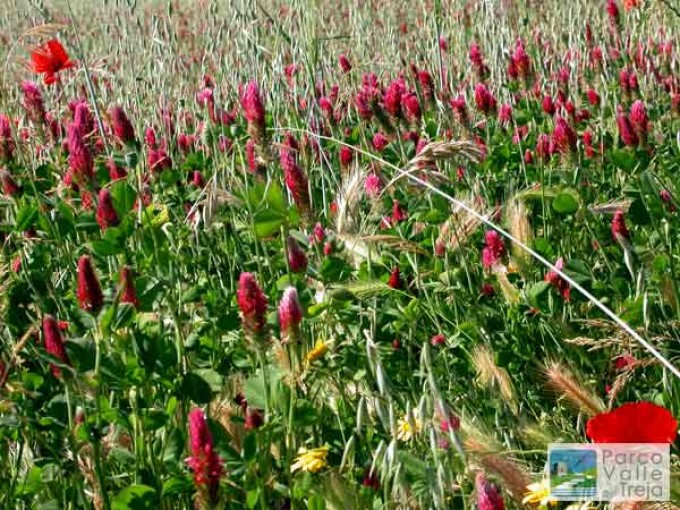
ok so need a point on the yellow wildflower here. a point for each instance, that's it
(406, 429)
(310, 460)
(581, 506)
(539, 493)
(319, 351)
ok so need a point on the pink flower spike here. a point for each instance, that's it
(204, 461)
(290, 312)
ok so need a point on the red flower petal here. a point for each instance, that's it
(41, 61)
(634, 422)
(59, 55)
(49, 59)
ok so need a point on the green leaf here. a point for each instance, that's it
(544, 247)
(27, 215)
(268, 196)
(66, 214)
(32, 483)
(252, 498)
(249, 447)
(52, 504)
(125, 312)
(175, 486)
(536, 290)
(253, 390)
(267, 222)
(82, 353)
(623, 159)
(305, 414)
(124, 196)
(275, 198)
(434, 216)
(333, 269)
(211, 377)
(638, 212)
(154, 419)
(135, 497)
(316, 502)
(632, 312)
(566, 203)
(579, 271)
(196, 388)
(105, 248)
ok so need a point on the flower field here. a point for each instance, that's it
(356, 256)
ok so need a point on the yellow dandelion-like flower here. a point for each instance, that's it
(319, 351)
(539, 493)
(581, 506)
(310, 460)
(406, 429)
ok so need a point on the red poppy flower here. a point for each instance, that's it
(634, 422)
(49, 59)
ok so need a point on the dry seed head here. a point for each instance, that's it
(458, 228)
(347, 219)
(510, 292)
(515, 477)
(536, 434)
(520, 228)
(611, 207)
(443, 150)
(618, 385)
(564, 382)
(437, 151)
(490, 374)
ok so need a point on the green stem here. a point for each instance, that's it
(98, 460)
